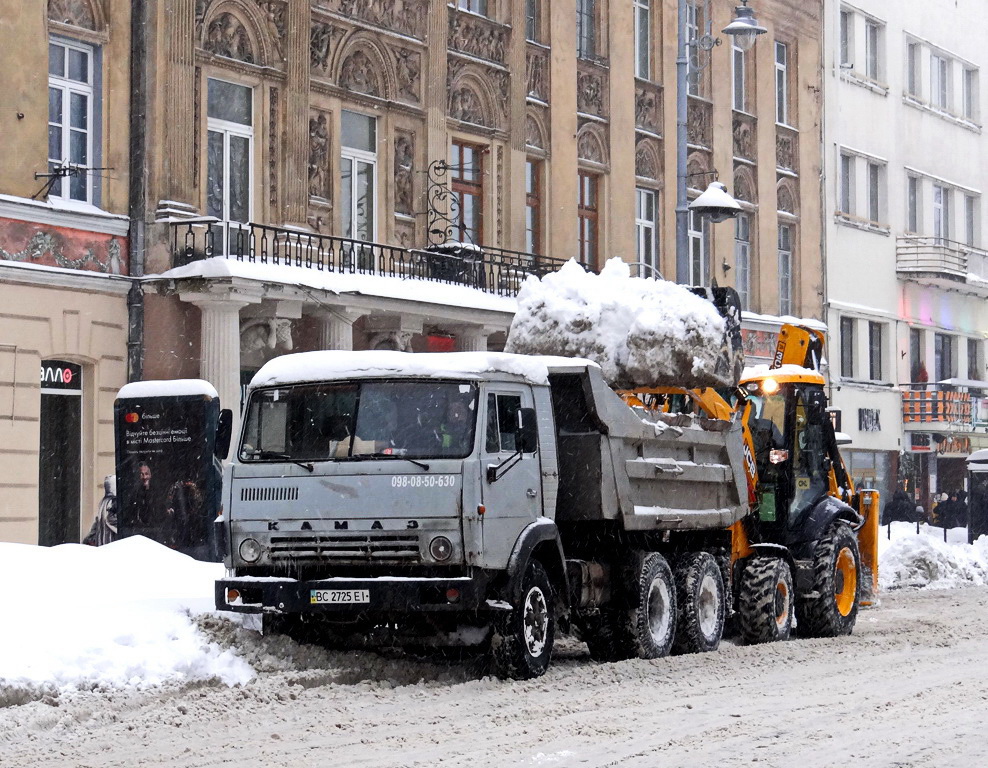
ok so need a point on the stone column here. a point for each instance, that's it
(296, 142)
(336, 329)
(472, 339)
(220, 348)
(177, 18)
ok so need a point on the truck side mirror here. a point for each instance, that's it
(224, 431)
(527, 436)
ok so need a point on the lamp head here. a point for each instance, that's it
(716, 204)
(744, 28)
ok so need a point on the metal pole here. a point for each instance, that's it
(682, 212)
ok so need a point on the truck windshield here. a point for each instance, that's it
(354, 420)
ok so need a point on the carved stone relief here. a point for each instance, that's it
(744, 184)
(227, 37)
(263, 338)
(358, 74)
(406, 16)
(322, 42)
(78, 13)
(647, 106)
(533, 133)
(698, 123)
(785, 150)
(465, 105)
(502, 82)
(589, 146)
(590, 93)
(405, 233)
(319, 176)
(404, 146)
(273, 148)
(744, 137)
(788, 200)
(477, 37)
(408, 68)
(698, 167)
(647, 159)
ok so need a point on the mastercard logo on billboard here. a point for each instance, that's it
(132, 417)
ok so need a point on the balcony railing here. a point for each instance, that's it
(493, 270)
(945, 259)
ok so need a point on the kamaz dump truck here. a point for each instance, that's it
(480, 499)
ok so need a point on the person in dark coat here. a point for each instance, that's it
(900, 508)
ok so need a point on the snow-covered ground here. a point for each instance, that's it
(131, 614)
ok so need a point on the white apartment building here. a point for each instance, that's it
(905, 175)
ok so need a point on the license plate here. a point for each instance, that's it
(339, 596)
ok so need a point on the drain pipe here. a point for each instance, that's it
(137, 198)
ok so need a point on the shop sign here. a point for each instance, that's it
(869, 420)
(954, 445)
(61, 375)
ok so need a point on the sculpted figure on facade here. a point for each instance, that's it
(408, 68)
(647, 109)
(785, 151)
(537, 78)
(406, 16)
(319, 156)
(358, 74)
(404, 167)
(465, 105)
(647, 159)
(477, 37)
(264, 338)
(590, 94)
(589, 146)
(744, 139)
(227, 37)
(78, 13)
(322, 38)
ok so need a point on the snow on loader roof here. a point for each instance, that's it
(642, 332)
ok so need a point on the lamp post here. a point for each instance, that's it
(744, 29)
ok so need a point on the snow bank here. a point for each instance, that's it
(641, 332)
(119, 615)
(924, 559)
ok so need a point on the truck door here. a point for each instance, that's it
(514, 499)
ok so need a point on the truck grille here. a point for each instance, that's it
(366, 547)
(282, 493)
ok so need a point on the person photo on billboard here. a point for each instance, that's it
(143, 512)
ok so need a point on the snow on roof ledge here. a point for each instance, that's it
(339, 364)
(166, 388)
(780, 320)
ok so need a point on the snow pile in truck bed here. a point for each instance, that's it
(641, 332)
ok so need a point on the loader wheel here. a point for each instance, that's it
(701, 601)
(833, 608)
(765, 600)
(522, 642)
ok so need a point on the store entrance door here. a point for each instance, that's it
(60, 456)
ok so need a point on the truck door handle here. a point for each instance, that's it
(531, 493)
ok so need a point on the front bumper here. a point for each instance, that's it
(387, 595)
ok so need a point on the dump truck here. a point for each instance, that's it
(482, 499)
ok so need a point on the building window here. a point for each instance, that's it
(944, 356)
(875, 174)
(785, 269)
(645, 229)
(941, 213)
(467, 173)
(913, 197)
(781, 83)
(358, 168)
(939, 82)
(693, 76)
(70, 118)
(969, 87)
(847, 347)
(970, 220)
(913, 84)
(917, 367)
(229, 157)
(873, 50)
(699, 258)
(846, 39)
(643, 39)
(533, 20)
(586, 29)
(587, 217)
(739, 81)
(533, 206)
(846, 201)
(875, 351)
(476, 6)
(975, 366)
(742, 258)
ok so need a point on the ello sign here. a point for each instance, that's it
(59, 374)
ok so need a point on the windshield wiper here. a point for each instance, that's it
(284, 457)
(363, 456)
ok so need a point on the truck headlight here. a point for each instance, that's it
(250, 550)
(441, 549)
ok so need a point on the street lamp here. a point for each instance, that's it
(744, 28)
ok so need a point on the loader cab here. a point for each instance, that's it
(787, 421)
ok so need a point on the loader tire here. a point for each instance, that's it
(521, 645)
(832, 610)
(765, 600)
(701, 600)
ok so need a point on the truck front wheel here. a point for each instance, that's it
(522, 642)
(832, 608)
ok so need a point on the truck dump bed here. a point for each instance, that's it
(673, 473)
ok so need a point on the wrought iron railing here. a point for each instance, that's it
(493, 270)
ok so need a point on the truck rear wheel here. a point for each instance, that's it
(765, 600)
(701, 599)
(522, 642)
(651, 620)
(833, 608)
